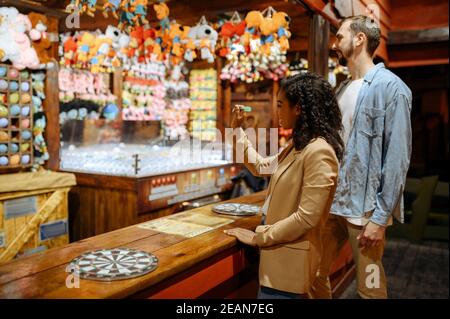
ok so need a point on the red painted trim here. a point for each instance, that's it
(209, 277)
(401, 64)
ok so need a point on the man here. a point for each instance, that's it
(375, 106)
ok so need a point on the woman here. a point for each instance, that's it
(301, 188)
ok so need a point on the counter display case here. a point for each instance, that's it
(127, 172)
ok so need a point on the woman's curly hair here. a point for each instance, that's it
(320, 115)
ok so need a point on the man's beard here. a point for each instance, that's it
(342, 59)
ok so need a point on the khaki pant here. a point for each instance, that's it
(370, 276)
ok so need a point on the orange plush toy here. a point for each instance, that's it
(41, 41)
(281, 22)
(253, 22)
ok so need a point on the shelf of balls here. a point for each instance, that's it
(16, 118)
(120, 160)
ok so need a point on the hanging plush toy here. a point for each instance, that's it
(253, 21)
(231, 31)
(205, 39)
(112, 6)
(139, 7)
(162, 13)
(127, 16)
(82, 6)
(281, 22)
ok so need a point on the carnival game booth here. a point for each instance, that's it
(117, 91)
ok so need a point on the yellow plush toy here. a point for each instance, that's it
(253, 22)
(99, 53)
(84, 46)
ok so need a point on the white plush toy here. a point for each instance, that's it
(9, 49)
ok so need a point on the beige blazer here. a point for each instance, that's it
(301, 191)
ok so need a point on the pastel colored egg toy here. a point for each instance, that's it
(3, 71)
(13, 73)
(14, 160)
(26, 135)
(14, 110)
(13, 86)
(3, 161)
(25, 159)
(13, 98)
(25, 111)
(13, 148)
(3, 85)
(4, 122)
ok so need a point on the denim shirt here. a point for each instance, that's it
(373, 170)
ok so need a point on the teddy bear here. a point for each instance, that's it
(9, 49)
(27, 57)
(41, 41)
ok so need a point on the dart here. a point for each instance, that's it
(245, 108)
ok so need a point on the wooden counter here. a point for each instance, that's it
(208, 265)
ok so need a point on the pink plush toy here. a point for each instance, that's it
(28, 57)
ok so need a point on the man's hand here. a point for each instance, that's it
(243, 235)
(372, 235)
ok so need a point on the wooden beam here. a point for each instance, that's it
(27, 6)
(417, 54)
(418, 36)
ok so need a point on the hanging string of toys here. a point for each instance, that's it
(260, 50)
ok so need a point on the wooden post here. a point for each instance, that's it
(274, 121)
(318, 51)
(219, 108)
(51, 109)
(118, 86)
(227, 103)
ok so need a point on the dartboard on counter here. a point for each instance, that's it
(113, 264)
(236, 209)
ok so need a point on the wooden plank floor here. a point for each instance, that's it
(413, 271)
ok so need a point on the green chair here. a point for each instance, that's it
(417, 213)
(437, 225)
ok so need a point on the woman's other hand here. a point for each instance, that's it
(243, 235)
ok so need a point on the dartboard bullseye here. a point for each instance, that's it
(236, 209)
(113, 264)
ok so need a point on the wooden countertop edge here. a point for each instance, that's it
(133, 286)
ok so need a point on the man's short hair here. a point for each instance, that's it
(369, 27)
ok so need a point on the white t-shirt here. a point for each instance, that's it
(347, 104)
